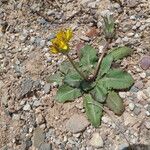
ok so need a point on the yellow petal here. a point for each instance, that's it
(69, 34)
(54, 50)
(63, 46)
(60, 35)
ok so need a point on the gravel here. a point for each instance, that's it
(27, 100)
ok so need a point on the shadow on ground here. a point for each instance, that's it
(138, 147)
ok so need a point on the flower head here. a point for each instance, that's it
(60, 44)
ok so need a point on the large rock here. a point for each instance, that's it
(76, 123)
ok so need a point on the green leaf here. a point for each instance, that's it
(65, 66)
(73, 79)
(87, 86)
(93, 110)
(117, 79)
(99, 93)
(55, 78)
(66, 93)
(106, 64)
(88, 57)
(115, 103)
(120, 52)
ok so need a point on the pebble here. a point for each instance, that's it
(37, 103)
(85, 38)
(106, 120)
(125, 39)
(147, 124)
(145, 62)
(1, 56)
(131, 106)
(123, 146)
(16, 117)
(76, 123)
(39, 119)
(42, 43)
(139, 84)
(122, 94)
(96, 141)
(137, 110)
(27, 107)
(47, 88)
(143, 75)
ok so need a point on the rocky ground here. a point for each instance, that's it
(30, 118)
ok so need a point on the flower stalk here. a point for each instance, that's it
(74, 66)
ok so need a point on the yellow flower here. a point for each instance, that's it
(61, 43)
(64, 35)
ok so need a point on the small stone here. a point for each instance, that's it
(45, 146)
(145, 62)
(147, 124)
(132, 3)
(106, 120)
(1, 56)
(47, 88)
(125, 39)
(42, 43)
(76, 123)
(39, 119)
(122, 94)
(26, 87)
(131, 106)
(96, 141)
(139, 84)
(27, 107)
(100, 49)
(137, 110)
(50, 12)
(130, 34)
(85, 38)
(32, 39)
(143, 75)
(36, 103)
(38, 137)
(123, 146)
(16, 117)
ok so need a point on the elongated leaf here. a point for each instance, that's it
(106, 64)
(88, 57)
(117, 79)
(66, 93)
(115, 103)
(55, 78)
(73, 79)
(99, 93)
(66, 66)
(93, 111)
(120, 52)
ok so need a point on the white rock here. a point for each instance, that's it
(122, 94)
(27, 107)
(143, 75)
(131, 106)
(147, 124)
(96, 141)
(106, 120)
